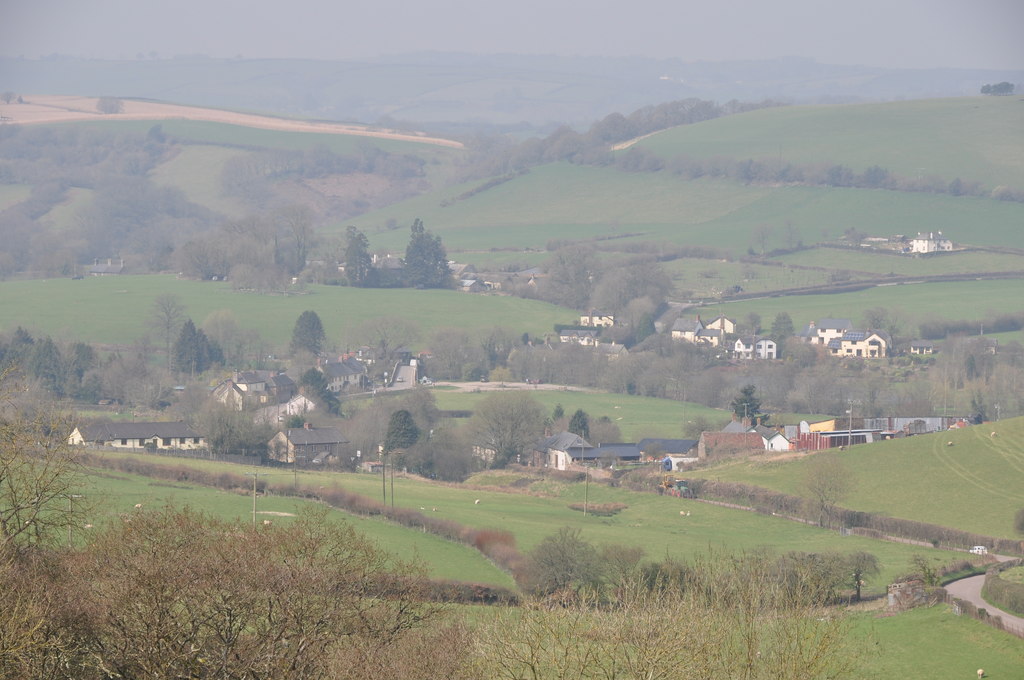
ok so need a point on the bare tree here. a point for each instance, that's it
(167, 315)
(506, 424)
(40, 475)
(827, 481)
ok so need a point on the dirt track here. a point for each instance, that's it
(62, 108)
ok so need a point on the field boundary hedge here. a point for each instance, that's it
(1006, 595)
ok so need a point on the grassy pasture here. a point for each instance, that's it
(116, 309)
(575, 202)
(651, 521)
(982, 138)
(976, 485)
(637, 417)
(119, 493)
(932, 642)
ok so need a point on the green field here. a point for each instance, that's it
(651, 521)
(118, 494)
(115, 309)
(932, 642)
(578, 202)
(976, 485)
(637, 417)
(982, 138)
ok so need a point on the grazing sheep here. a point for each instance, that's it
(949, 443)
(138, 505)
(476, 502)
(994, 434)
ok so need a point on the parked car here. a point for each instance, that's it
(979, 550)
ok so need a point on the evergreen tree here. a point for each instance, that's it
(314, 385)
(402, 431)
(426, 261)
(308, 334)
(358, 264)
(193, 352)
(558, 413)
(746, 405)
(579, 424)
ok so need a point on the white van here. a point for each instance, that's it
(979, 550)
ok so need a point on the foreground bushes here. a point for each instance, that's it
(175, 594)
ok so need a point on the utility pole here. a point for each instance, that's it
(255, 476)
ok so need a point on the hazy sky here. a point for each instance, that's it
(895, 33)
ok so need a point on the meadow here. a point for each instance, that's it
(588, 203)
(114, 495)
(983, 138)
(636, 417)
(977, 484)
(866, 263)
(651, 521)
(115, 310)
(932, 642)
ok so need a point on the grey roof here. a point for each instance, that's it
(563, 441)
(109, 431)
(624, 451)
(668, 446)
(687, 325)
(344, 368)
(736, 427)
(314, 435)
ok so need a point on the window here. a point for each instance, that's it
(124, 442)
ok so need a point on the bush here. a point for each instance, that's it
(599, 509)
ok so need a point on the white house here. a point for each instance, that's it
(163, 435)
(932, 242)
(755, 348)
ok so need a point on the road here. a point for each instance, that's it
(970, 589)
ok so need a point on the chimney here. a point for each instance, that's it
(307, 425)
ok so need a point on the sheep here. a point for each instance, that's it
(476, 502)
(949, 443)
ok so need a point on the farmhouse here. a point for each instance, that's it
(932, 242)
(561, 450)
(307, 444)
(248, 389)
(164, 435)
